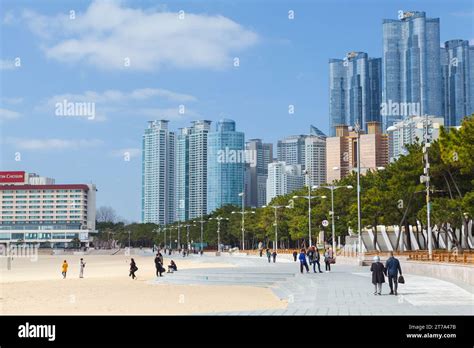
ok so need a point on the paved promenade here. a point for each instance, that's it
(346, 290)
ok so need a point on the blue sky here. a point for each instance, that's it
(188, 61)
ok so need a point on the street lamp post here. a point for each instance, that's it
(187, 234)
(202, 222)
(275, 208)
(243, 212)
(332, 188)
(309, 198)
(427, 124)
(179, 235)
(129, 240)
(219, 219)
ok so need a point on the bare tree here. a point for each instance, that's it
(106, 214)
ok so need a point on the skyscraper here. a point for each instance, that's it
(283, 179)
(458, 80)
(262, 153)
(191, 172)
(411, 67)
(315, 160)
(158, 174)
(226, 159)
(354, 90)
(291, 150)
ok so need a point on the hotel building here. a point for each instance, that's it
(341, 151)
(34, 209)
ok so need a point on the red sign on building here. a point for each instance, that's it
(12, 177)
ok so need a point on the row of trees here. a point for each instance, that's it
(393, 196)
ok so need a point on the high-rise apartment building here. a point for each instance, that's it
(226, 158)
(291, 150)
(315, 160)
(158, 173)
(412, 84)
(283, 179)
(410, 131)
(191, 170)
(457, 60)
(355, 92)
(341, 151)
(256, 185)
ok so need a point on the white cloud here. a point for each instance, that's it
(11, 100)
(132, 152)
(108, 33)
(52, 143)
(8, 114)
(167, 113)
(7, 64)
(116, 96)
(127, 103)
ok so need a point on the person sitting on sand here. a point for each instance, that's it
(64, 269)
(172, 267)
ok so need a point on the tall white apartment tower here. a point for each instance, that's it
(315, 160)
(158, 174)
(191, 171)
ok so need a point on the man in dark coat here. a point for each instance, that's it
(158, 266)
(378, 276)
(392, 267)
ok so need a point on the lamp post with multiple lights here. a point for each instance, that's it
(332, 188)
(243, 212)
(275, 208)
(309, 198)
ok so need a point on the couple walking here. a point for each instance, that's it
(379, 271)
(313, 257)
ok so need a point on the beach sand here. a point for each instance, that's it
(38, 288)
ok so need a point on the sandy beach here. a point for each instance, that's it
(37, 287)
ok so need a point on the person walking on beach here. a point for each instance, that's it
(82, 264)
(328, 258)
(133, 269)
(158, 266)
(64, 269)
(316, 258)
(303, 262)
(295, 255)
(269, 254)
(310, 253)
(392, 267)
(378, 277)
(274, 255)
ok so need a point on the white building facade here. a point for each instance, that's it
(410, 131)
(283, 179)
(53, 215)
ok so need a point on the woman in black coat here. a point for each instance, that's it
(133, 269)
(377, 268)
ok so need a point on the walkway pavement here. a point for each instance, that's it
(346, 290)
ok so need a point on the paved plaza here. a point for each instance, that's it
(346, 290)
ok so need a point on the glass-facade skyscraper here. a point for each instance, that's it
(457, 61)
(158, 174)
(411, 67)
(225, 166)
(355, 92)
